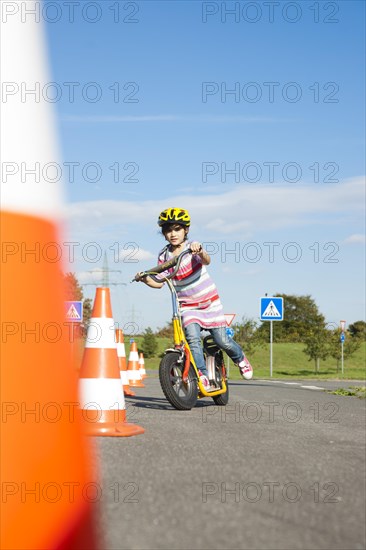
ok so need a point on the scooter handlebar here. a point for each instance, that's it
(173, 262)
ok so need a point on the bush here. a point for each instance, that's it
(149, 343)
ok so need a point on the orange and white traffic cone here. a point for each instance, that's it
(134, 375)
(142, 366)
(121, 353)
(44, 460)
(101, 395)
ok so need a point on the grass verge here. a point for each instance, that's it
(289, 362)
(354, 391)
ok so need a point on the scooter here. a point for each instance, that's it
(178, 373)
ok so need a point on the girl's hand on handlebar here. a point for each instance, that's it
(196, 247)
(139, 276)
(149, 279)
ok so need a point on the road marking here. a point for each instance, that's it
(272, 381)
(312, 387)
(294, 384)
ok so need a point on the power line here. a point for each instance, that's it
(105, 276)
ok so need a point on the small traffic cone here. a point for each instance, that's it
(102, 399)
(142, 366)
(134, 376)
(121, 353)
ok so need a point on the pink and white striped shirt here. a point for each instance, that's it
(197, 293)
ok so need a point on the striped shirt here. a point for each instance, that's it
(197, 293)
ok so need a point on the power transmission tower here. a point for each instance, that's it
(105, 276)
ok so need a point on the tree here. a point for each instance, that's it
(351, 344)
(166, 332)
(149, 343)
(74, 292)
(247, 335)
(317, 345)
(301, 318)
(358, 330)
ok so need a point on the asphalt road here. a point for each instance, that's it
(281, 467)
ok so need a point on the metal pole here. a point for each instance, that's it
(342, 358)
(72, 348)
(270, 348)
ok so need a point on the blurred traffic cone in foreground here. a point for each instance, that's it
(121, 353)
(142, 366)
(101, 395)
(134, 376)
(44, 456)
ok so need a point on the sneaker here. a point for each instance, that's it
(246, 369)
(205, 382)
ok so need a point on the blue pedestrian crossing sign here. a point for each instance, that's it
(74, 311)
(271, 309)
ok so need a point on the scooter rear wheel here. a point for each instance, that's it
(223, 398)
(182, 395)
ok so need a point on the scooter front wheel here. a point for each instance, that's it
(182, 395)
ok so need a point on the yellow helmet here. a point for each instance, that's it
(174, 215)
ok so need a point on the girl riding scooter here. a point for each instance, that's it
(199, 301)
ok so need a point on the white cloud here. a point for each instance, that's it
(121, 118)
(199, 118)
(357, 238)
(224, 226)
(243, 208)
(98, 276)
(135, 253)
(252, 272)
(93, 276)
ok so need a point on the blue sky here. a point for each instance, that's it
(175, 135)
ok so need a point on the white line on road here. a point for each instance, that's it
(294, 384)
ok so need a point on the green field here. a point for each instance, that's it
(289, 361)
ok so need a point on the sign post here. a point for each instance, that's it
(271, 310)
(229, 319)
(342, 339)
(73, 314)
(271, 348)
